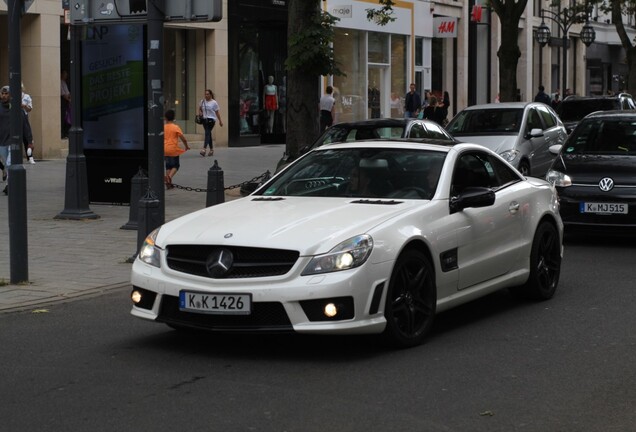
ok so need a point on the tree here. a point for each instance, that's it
(310, 55)
(617, 9)
(509, 13)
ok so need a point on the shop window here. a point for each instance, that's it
(350, 91)
(378, 47)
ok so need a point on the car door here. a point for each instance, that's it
(553, 133)
(488, 238)
(538, 144)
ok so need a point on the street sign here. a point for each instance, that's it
(91, 11)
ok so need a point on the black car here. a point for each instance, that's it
(383, 128)
(595, 172)
(573, 108)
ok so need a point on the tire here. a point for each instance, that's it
(545, 264)
(411, 300)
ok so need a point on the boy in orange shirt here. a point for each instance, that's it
(171, 135)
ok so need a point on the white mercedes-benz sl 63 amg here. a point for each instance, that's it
(356, 238)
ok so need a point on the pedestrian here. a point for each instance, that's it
(65, 104)
(327, 105)
(429, 111)
(27, 107)
(210, 111)
(556, 101)
(542, 96)
(412, 102)
(443, 106)
(171, 150)
(5, 133)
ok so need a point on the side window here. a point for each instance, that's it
(504, 175)
(534, 121)
(435, 131)
(547, 116)
(417, 131)
(472, 170)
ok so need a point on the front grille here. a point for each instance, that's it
(247, 262)
(265, 317)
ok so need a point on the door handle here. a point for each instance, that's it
(513, 207)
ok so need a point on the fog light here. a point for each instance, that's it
(330, 310)
(135, 296)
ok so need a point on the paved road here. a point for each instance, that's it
(72, 258)
(497, 364)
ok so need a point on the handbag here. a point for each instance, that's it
(198, 119)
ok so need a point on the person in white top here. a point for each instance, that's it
(209, 110)
(326, 105)
(27, 107)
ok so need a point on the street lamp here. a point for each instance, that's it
(564, 19)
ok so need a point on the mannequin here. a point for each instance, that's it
(270, 96)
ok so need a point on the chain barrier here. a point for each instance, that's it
(258, 179)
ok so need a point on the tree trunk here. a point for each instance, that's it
(630, 50)
(303, 90)
(509, 13)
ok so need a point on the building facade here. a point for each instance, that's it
(442, 45)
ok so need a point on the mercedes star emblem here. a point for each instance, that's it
(219, 262)
(606, 184)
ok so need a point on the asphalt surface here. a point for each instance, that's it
(73, 258)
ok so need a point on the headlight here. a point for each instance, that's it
(559, 179)
(509, 155)
(149, 253)
(348, 254)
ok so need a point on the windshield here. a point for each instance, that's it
(491, 121)
(603, 136)
(336, 134)
(577, 109)
(361, 172)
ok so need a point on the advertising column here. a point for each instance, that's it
(113, 109)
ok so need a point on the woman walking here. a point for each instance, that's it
(209, 110)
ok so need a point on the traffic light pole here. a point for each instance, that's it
(76, 200)
(18, 238)
(155, 111)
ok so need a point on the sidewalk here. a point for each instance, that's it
(68, 258)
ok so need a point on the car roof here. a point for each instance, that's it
(574, 98)
(630, 114)
(380, 122)
(502, 105)
(424, 144)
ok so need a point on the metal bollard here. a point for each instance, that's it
(216, 188)
(138, 184)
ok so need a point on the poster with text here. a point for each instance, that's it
(113, 86)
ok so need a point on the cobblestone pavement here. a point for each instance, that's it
(71, 258)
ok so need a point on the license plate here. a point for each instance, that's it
(609, 208)
(220, 304)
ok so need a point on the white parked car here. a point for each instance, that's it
(520, 132)
(360, 237)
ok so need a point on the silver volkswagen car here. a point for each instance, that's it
(521, 132)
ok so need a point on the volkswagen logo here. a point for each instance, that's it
(606, 184)
(219, 262)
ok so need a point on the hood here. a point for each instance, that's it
(308, 225)
(496, 143)
(587, 168)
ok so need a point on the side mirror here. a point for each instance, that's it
(555, 149)
(472, 197)
(535, 133)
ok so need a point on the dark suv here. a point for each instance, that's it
(573, 108)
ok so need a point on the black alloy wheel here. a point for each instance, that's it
(411, 300)
(545, 263)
